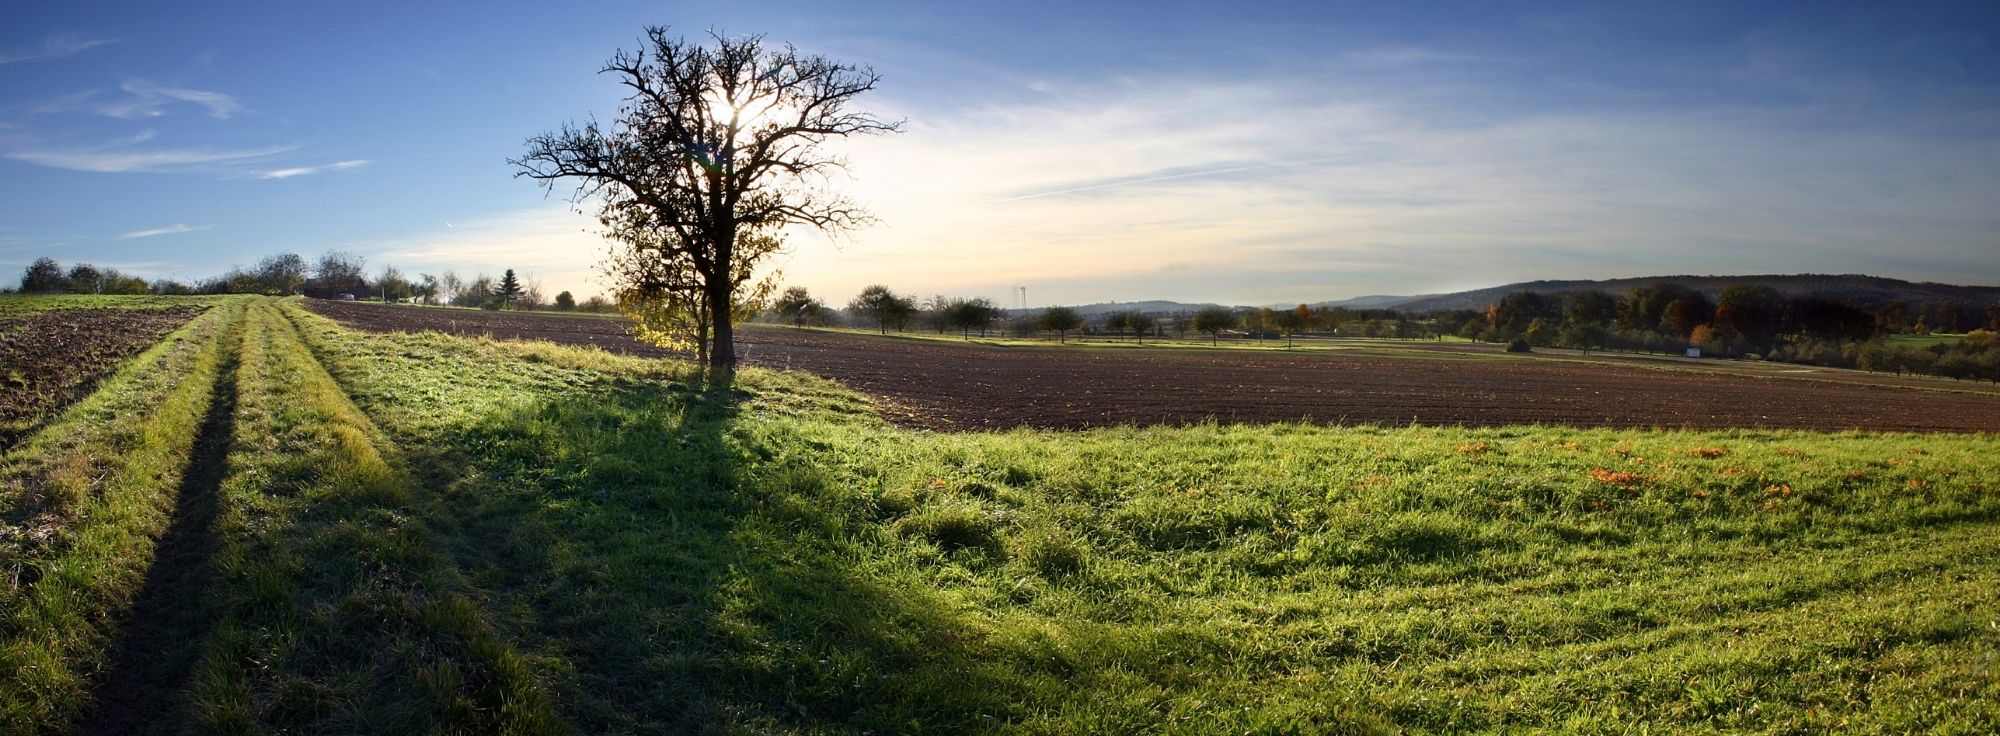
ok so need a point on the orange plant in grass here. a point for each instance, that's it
(1616, 477)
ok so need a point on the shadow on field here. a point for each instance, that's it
(161, 641)
(673, 570)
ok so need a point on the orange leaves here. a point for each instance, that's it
(1616, 477)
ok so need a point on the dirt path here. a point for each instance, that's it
(954, 386)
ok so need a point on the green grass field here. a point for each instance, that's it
(1912, 340)
(17, 305)
(404, 533)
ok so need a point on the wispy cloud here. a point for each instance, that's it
(149, 99)
(142, 99)
(1155, 177)
(174, 229)
(125, 160)
(1388, 180)
(56, 47)
(288, 173)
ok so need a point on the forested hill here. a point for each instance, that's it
(1867, 292)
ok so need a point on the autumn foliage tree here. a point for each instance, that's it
(658, 287)
(714, 140)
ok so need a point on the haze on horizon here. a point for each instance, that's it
(1247, 153)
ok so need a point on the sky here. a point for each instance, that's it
(1240, 152)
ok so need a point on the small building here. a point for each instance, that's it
(1694, 352)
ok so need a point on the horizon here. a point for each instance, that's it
(1260, 154)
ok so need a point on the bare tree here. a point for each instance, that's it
(339, 273)
(531, 295)
(426, 289)
(450, 286)
(712, 141)
(284, 273)
(970, 314)
(887, 308)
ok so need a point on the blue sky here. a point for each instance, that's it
(1238, 152)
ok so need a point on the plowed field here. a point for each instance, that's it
(946, 386)
(49, 359)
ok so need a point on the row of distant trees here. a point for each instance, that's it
(885, 310)
(1742, 321)
(333, 275)
(1747, 321)
(45, 275)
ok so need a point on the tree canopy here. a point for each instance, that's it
(714, 142)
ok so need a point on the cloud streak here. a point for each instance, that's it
(143, 99)
(174, 229)
(288, 173)
(125, 160)
(56, 47)
(1384, 182)
(149, 100)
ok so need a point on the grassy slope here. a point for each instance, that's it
(785, 561)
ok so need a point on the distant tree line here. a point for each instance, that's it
(1745, 320)
(46, 276)
(1742, 321)
(333, 275)
(884, 310)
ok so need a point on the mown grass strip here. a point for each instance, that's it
(85, 499)
(335, 611)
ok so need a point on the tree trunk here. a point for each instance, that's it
(702, 321)
(721, 358)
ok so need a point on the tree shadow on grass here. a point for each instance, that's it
(674, 567)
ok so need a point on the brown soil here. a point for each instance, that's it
(947, 386)
(49, 359)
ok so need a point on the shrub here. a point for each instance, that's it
(1519, 345)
